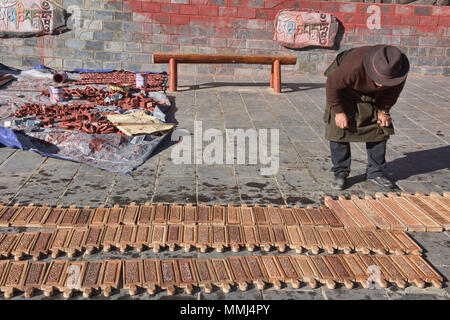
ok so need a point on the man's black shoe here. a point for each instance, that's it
(339, 182)
(382, 182)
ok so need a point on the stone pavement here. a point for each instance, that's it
(418, 155)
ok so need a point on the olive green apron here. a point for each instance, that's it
(362, 114)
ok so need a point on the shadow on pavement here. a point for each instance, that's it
(288, 87)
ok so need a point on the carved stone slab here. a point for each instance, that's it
(392, 272)
(430, 275)
(260, 215)
(7, 215)
(273, 270)
(84, 218)
(75, 242)
(251, 237)
(73, 277)
(53, 218)
(356, 214)
(295, 238)
(331, 218)
(204, 237)
(219, 238)
(343, 240)
(280, 237)
(341, 213)
(13, 277)
(326, 273)
(23, 216)
(430, 223)
(290, 271)
(234, 236)
(92, 277)
(358, 270)
(7, 243)
(233, 216)
(317, 218)
(311, 239)
(190, 214)
(266, 236)
(412, 223)
(327, 239)
(303, 216)
(204, 213)
(363, 205)
(289, 216)
(410, 245)
(160, 214)
(125, 238)
(394, 222)
(341, 270)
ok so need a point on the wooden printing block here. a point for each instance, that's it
(54, 277)
(357, 214)
(75, 242)
(376, 244)
(265, 234)
(158, 237)
(33, 278)
(432, 209)
(93, 239)
(330, 217)
(85, 217)
(174, 236)
(295, 238)
(247, 216)
(358, 241)
(317, 219)
(219, 238)
(160, 214)
(327, 239)
(393, 222)
(146, 214)
(7, 215)
(190, 214)
(92, 277)
(280, 237)
(142, 237)
(443, 201)
(111, 276)
(326, 273)
(132, 275)
(251, 237)
(189, 236)
(188, 276)
(151, 277)
(290, 271)
(340, 213)
(59, 241)
(343, 240)
(21, 218)
(289, 216)
(356, 266)
(409, 221)
(2, 208)
(38, 216)
(233, 215)
(53, 218)
(14, 274)
(408, 242)
(41, 245)
(223, 274)
(274, 214)
(73, 277)
(100, 216)
(431, 224)
(303, 216)
(204, 213)
(24, 244)
(239, 269)
(257, 272)
(114, 216)
(273, 270)
(219, 214)
(204, 237)
(175, 213)
(343, 273)
(170, 276)
(130, 214)
(3, 268)
(234, 236)
(409, 270)
(393, 245)
(394, 273)
(69, 218)
(430, 275)
(261, 217)
(311, 239)
(125, 237)
(370, 212)
(109, 237)
(374, 270)
(7, 243)
(205, 274)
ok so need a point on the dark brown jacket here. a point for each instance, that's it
(351, 75)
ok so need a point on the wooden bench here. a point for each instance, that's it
(175, 58)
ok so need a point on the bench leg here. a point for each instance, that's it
(173, 70)
(271, 77)
(277, 76)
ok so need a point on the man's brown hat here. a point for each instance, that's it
(386, 65)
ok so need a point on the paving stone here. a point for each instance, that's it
(176, 190)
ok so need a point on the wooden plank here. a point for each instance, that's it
(53, 218)
(410, 245)
(431, 209)
(393, 245)
(375, 271)
(72, 277)
(359, 243)
(341, 213)
(330, 217)
(7, 215)
(408, 270)
(307, 270)
(356, 214)
(430, 275)
(130, 214)
(257, 272)
(161, 57)
(125, 238)
(357, 268)
(394, 273)
(430, 224)
(376, 243)
(84, 218)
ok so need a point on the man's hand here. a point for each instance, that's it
(341, 120)
(384, 119)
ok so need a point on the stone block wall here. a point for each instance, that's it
(124, 34)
